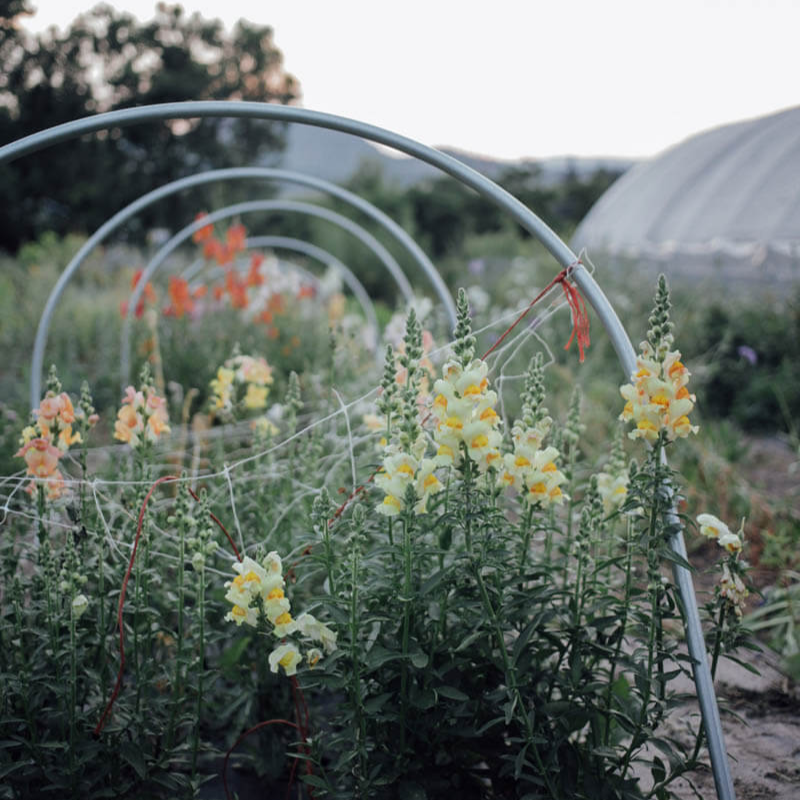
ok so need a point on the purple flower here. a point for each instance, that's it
(748, 353)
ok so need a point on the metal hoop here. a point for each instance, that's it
(238, 173)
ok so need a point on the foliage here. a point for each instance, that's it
(753, 350)
(496, 617)
(443, 214)
(107, 60)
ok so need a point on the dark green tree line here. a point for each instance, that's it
(108, 60)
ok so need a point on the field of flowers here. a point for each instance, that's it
(267, 563)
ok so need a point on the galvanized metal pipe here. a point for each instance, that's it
(232, 174)
(329, 260)
(237, 209)
(521, 214)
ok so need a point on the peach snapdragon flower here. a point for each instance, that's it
(142, 417)
(44, 442)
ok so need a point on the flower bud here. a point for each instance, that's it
(79, 604)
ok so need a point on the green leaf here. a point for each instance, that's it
(741, 663)
(378, 656)
(451, 692)
(432, 582)
(133, 755)
(13, 767)
(315, 780)
(231, 656)
(374, 704)
(468, 641)
(522, 641)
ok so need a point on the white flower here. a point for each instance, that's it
(313, 656)
(731, 542)
(712, 527)
(79, 604)
(310, 627)
(286, 656)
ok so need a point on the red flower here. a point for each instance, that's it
(205, 233)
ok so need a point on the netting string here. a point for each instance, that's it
(580, 318)
(580, 328)
(140, 524)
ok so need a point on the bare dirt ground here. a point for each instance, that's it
(760, 714)
(761, 723)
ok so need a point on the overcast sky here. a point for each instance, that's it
(527, 78)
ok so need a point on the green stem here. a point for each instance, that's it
(201, 602)
(406, 627)
(329, 558)
(468, 492)
(626, 599)
(653, 578)
(526, 538)
(356, 677)
(177, 680)
(72, 699)
(515, 695)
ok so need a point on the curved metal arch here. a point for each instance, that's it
(244, 208)
(329, 260)
(317, 253)
(521, 214)
(268, 111)
(212, 176)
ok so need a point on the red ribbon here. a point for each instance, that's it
(580, 317)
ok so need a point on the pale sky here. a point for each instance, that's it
(531, 78)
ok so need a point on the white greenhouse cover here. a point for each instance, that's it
(726, 195)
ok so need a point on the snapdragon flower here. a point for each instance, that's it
(463, 410)
(286, 656)
(45, 441)
(400, 470)
(142, 416)
(311, 628)
(732, 588)
(530, 469)
(612, 483)
(713, 528)
(657, 398)
(241, 379)
(261, 585)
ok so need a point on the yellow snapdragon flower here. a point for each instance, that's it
(657, 397)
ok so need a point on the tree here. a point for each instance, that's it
(108, 60)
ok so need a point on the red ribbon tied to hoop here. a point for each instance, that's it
(580, 315)
(577, 305)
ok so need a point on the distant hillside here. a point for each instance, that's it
(337, 157)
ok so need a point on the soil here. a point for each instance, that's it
(761, 724)
(760, 714)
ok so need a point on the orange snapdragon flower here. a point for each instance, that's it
(235, 238)
(254, 277)
(205, 233)
(181, 299)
